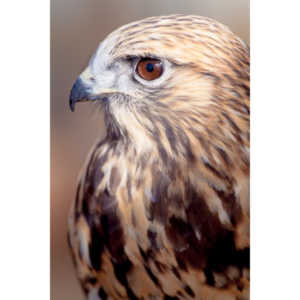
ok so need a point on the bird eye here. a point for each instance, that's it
(149, 69)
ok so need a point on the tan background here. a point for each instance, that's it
(77, 27)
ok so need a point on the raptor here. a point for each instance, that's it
(162, 204)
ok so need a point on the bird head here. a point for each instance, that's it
(166, 72)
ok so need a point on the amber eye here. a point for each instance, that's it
(149, 69)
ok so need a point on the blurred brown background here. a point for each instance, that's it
(77, 27)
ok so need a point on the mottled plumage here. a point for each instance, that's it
(162, 206)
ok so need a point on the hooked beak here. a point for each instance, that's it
(81, 91)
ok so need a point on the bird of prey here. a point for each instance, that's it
(162, 205)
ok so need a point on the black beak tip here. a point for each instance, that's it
(72, 103)
(74, 95)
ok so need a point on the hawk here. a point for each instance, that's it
(162, 205)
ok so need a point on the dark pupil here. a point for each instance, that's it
(149, 67)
